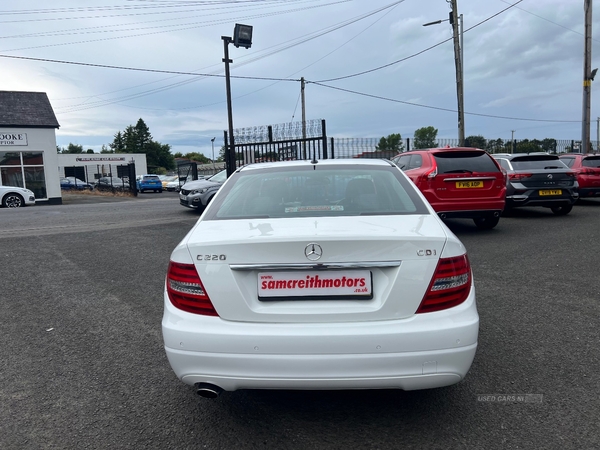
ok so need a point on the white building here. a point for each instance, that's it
(28, 156)
(28, 144)
(91, 166)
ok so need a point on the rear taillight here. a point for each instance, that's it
(450, 285)
(429, 175)
(519, 176)
(588, 172)
(185, 290)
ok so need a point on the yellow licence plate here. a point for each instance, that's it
(469, 184)
(551, 192)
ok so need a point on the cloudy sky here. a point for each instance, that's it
(371, 68)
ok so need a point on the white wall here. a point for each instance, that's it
(44, 140)
(101, 161)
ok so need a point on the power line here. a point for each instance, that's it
(439, 108)
(364, 72)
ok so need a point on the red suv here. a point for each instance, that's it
(458, 182)
(587, 172)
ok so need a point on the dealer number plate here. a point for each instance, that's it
(469, 184)
(315, 285)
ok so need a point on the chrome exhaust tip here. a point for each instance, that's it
(208, 390)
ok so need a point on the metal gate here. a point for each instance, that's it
(282, 142)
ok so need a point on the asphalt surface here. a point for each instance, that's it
(82, 364)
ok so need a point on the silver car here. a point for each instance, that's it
(197, 194)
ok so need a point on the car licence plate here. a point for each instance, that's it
(551, 192)
(469, 184)
(313, 285)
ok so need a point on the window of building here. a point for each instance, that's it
(24, 169)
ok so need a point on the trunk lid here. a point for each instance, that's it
(397, 255)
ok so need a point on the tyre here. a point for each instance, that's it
(12, 201)
(486, 223)
(160, 191)
(562, 210)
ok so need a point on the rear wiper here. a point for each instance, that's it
(552, 167)
(459, 171)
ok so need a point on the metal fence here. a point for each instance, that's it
(368, 147)
(122, 176)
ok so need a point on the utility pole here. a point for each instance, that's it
(512, 141)
(454, 21)
(302, 85)
(587, 78)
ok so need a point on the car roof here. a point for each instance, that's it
(523, 155)
(321, 162)
(447, 148)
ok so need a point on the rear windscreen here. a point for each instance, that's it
(461, 162)
(322, 191)
(593, 161)
(536, 162)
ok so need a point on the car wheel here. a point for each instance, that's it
(562, 210)
(160, 191)
(486, 223)
(12, 201)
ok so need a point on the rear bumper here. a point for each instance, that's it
(421, 352)
(589, 192)
(475, 214)
(527, 199)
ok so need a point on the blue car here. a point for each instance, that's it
(149, 183)
(75, 184)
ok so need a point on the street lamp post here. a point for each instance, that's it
(457, 21)
(242, 37)
(212, 143)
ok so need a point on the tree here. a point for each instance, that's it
(495, 146)
(117, 145)
(137, 139)
(105, 149)
(476, 141)
(527, 146)
(425, 137)
(198, 157)
(159, 155)
(73, 148)
(89, 150)
(393, 142)
(549, 145)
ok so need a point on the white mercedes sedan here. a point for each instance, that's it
(331, 274)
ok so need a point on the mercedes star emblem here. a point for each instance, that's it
(313, 252)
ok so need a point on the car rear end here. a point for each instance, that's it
(540, 180)
(317, 302)
(464, 183)
(150, 183)
(589, 176)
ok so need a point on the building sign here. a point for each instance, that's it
(13, 139)
(100, 158)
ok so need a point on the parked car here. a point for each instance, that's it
(328, 275)
(171, 184)
(587, 172)
(539, 179)
(149, 183)
(198, 193)
(458, 182)
(16, 197)
(75, 184)
(112, 184)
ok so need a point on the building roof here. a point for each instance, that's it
(26, 109)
